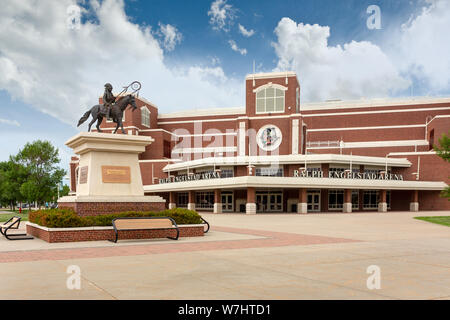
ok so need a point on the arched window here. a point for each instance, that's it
(270, 98)
(145, 117)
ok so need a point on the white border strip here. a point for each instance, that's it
(376, 144)
(373, 112)
(368, 128)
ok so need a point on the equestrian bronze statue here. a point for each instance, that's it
(112, 107)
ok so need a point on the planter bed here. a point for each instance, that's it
(53, 235)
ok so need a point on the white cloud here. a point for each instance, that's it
(245, 32)
(10, 122)
(354, 70)
(417, 53)
(234, 47)
(222, 15)
(171, 36)
(423, 49)
(61, 71)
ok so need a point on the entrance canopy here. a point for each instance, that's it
(295, 182)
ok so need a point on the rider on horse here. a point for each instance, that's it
(108, 99)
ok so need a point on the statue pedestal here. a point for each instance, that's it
(108, 175)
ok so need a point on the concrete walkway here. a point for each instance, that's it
(267, 256)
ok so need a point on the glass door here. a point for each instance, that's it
(271, 201)
(227, 201)
(313, 198)
(261, 202)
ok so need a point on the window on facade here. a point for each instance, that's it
(269, 172)
(166, 149)
(431, 140)
(204, 200)
(335, 199)
(182, 200)
(372, 171)
(270, 100)
(355, 199)
(370, 199)
(226, 173)
(145, 117)
(388, 199)
(311, 169)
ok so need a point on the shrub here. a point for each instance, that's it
(66, 218)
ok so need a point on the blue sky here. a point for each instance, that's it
(347, 20)
(51, 75)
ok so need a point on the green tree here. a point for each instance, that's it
(12, 176)
(64, 191)
(41, 161)
(443, 151)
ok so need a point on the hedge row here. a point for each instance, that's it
(66, 218)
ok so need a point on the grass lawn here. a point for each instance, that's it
(7, 216)
(444, 220)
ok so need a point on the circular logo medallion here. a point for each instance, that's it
(269, 137)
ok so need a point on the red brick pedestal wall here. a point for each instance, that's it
(98, 208)
(107, 233)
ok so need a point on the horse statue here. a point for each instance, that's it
(99, 111)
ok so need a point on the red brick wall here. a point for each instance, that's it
(290, 94)
(108, 234)
(431, 200)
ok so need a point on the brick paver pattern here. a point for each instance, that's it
(268, 239)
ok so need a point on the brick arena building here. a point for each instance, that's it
(280, 155)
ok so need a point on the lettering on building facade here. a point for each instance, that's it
(347, 175)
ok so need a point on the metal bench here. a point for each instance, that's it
(13, 223)
(207, 225)
(144, 223)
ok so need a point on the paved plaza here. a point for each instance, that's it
(264, 256)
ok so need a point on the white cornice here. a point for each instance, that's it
(203, 113)
(289, 159)
(293, 182)
(269, 75)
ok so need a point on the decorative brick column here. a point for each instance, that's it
(382, 205)
(325, 169)
(302, 205)
(217, 201)
(347, 207)
(191, 201)
(414, 204)
(172, 201)
(250, 207)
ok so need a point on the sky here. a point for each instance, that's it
(55, 56)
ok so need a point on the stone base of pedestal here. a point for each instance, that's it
(93, 206)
